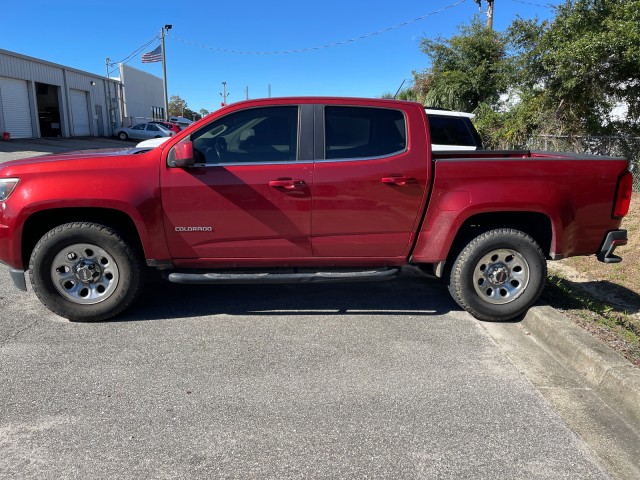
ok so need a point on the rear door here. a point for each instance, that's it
(370, 180)
(248, 198)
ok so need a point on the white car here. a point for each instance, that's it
(452, 131)
(143, 131)
(152, 142)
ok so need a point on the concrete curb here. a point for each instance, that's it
(605, 370)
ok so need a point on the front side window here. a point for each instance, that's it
(267, 134)
(361, 132)
(139, 126)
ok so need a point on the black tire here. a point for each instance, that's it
(85, 272)
(498, 275)
(123, 136)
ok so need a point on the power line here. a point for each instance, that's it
(132, 55)
(328, 45)
(550, 6)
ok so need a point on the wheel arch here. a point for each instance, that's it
(41, 222)
(537, 225)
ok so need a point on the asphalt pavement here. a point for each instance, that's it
(387, 380)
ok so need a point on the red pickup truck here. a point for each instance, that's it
(305, 190)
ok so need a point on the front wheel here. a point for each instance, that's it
(123, 136)
(85, 272)
(498, 275)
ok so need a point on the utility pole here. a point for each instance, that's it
(224, 94)
(164, 71)
(489, 12)
(110, 108)
(246, 92)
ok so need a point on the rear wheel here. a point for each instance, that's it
(85, 272)
(498, 275)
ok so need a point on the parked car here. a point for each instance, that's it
(182, 122)
(152, 142)
(257, 193)
(174, 127)
(142, 131)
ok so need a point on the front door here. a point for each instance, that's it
(248, 197)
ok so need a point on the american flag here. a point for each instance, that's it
(153, 56)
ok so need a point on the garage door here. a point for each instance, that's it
(79, 113)
(14, 96)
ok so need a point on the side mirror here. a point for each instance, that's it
(181, 155)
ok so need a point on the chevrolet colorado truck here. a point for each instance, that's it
(305, 190)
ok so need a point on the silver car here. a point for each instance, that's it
(143, 131)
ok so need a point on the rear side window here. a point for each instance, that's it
(361, 132)
(451, 131)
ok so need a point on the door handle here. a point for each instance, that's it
(287, 183)
(399, 180)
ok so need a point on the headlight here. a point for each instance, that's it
(7, 185)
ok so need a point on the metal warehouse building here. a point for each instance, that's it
(43, 99)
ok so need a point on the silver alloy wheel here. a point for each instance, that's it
(501, 276)
(84, 273)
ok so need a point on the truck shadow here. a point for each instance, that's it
(406, 295)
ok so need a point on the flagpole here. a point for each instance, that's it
(164, 72)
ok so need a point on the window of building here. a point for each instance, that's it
(362, 132)
(157, 113)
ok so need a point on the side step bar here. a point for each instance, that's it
(285, 277)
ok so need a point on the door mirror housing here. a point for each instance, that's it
(181, 155)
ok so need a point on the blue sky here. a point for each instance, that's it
(82, 34)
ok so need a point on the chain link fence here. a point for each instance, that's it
(627, 147)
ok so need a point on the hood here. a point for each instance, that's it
(74, 155)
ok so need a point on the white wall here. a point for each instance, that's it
(142, 92)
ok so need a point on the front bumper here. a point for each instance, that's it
(614, 239)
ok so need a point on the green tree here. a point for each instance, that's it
(177, 106)
(578, 66)
(466, 70)
(561, 76)
(404, 94)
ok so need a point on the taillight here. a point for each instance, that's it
(623, 195)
